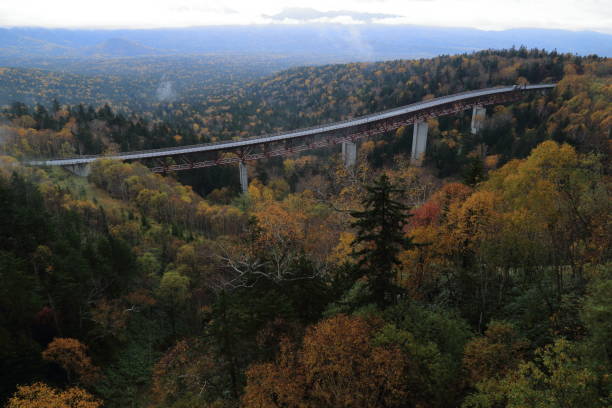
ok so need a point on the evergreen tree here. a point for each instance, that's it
(473, 171)
(380, 231)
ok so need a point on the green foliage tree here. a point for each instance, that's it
(557, 377)
(173, 293)
(597, 316)
(434, 340)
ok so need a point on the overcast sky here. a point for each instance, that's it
(593, 15)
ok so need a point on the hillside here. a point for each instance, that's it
(306, 96)
(482, 279)
(119, 47)
(130, 84)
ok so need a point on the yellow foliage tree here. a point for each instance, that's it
(40, 395)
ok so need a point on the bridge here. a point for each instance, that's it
(346, 132)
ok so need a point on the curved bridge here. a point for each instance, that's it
(345, 132)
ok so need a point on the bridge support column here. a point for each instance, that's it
(244, 177)
(479, 113)
(349, 153)
(419, 143)
(81, 170)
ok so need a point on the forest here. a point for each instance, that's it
(481, 279)
(131, 83)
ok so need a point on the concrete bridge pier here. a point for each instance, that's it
(81, 170)
(349, 153)
(419, 143)
(244, 176)
(479, 114)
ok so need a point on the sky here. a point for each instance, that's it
(595, 15)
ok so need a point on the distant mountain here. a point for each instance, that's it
(328, 42)
(14, 42)
(118, 47)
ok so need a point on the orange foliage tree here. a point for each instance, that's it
(338, 365)
(495, 354)
(72, 356)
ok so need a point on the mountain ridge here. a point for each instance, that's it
(365, 42)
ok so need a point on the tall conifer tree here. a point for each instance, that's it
(380, 231)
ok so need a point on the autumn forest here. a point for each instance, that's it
(481, 279)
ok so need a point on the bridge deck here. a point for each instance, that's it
(300, 133)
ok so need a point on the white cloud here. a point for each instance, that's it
(486, 14)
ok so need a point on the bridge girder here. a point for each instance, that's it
(298, 145)
(286, 143)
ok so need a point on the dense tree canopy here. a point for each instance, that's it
(481, 279)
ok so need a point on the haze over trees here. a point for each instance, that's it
(481, 279)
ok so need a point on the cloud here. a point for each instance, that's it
(165, 91)
(358, 43)
(311, 15)
(483, 14)
(197, 8)
(387, 1)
